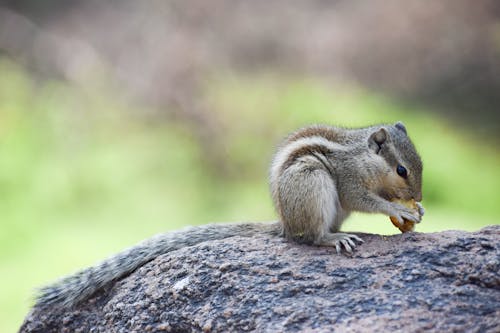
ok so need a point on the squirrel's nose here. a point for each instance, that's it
(418, 196)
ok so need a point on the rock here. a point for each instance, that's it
(441, 282)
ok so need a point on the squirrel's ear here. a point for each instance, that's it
(400, 126)
(377, 139)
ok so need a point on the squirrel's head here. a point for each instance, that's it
(403, 177)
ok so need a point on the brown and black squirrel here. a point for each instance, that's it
(319, 175)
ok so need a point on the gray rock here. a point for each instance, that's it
(439, 282)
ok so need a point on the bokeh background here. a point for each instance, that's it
(122, 119)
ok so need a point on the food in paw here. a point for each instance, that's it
(407, 225)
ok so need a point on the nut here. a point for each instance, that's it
(407, 225)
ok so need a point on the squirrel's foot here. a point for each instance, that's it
(339, 240)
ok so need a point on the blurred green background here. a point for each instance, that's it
(122, 120)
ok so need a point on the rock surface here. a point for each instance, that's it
(441, 282)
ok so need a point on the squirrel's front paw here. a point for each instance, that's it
(402, 213)
(420, 208)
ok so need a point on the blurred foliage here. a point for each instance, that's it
(444, 53)
(83, 176)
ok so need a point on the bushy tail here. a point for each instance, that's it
(75, 288)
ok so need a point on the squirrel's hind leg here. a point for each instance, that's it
(310, 209)
(306, 197)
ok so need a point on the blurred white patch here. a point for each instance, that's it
(181, 284)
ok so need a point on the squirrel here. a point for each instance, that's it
(318, 175)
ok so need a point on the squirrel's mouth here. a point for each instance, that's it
(403, 198)
(393, 195)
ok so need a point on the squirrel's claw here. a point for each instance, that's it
(341, 240)
(420, 208)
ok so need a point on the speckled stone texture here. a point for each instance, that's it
(440, 282)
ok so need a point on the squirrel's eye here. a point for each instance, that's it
(401, 170)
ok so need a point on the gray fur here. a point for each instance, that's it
(322, 173)
(75, 288)
(318, 176)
